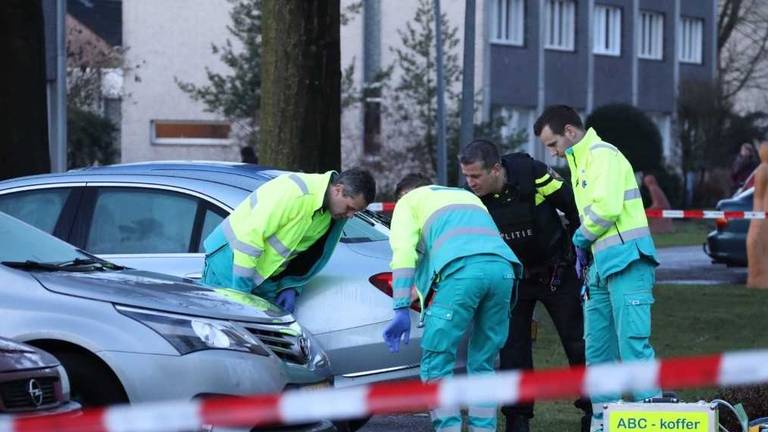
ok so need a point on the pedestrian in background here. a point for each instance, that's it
(447, 251)
(746, 162)
(615, 252)
(271, 234)
(247, 155)
(523, 196)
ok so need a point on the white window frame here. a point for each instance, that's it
(508, 22)
(188, 141)
(606, 30)
(650, 35)
(691, 40)
(560, 25)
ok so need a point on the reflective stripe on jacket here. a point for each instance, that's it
(613, 221)
(277, 221)
(432, 226)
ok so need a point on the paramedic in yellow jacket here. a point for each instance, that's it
(613, 243)
(255, 249)
(447, 250)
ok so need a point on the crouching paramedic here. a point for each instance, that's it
(284, 233)
(448, 251)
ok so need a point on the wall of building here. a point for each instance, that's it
(165, 40)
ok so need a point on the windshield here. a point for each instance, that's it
(365, 227)
(22, 242)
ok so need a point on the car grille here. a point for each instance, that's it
(16, 395)
(290, 348)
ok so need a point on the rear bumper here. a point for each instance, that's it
(727, 247)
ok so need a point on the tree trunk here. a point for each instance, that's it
(23, 108)
(301, 85)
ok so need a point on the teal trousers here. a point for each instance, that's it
(617, 320)
(474, 295)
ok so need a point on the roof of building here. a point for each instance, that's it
(103, 17)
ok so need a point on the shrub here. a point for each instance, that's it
(632, 131)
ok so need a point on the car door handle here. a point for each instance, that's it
(196, 275)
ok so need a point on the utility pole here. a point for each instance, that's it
(442, 177)
(468, 76)
(59, 153)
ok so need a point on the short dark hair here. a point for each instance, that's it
(411, 181)
(357, 181)
(557, 117)
(480, 150)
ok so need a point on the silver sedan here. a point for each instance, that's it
(154, 216)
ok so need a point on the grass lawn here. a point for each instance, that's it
(687, 320)
(686, 233)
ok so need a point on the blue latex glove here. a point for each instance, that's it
(398, 328)
(286, 299)
(582, 261)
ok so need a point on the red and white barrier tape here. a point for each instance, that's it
(300, 406)
(704, 214)
(382, 206)
(651, 213)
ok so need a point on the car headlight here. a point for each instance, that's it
(189, 334)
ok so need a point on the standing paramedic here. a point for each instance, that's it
(284, 233)
(523, 196)
(447, 251)
(613, 245)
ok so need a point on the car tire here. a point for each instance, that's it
(91, 382)
(351, 425)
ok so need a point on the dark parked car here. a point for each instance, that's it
(727, 244)
(32, 382)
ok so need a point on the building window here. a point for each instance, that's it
(560, 19)
(607, 30)
(690, 40)
(650, 43)
(508, 22)
(190, 132)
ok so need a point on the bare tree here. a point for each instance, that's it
(742, 46)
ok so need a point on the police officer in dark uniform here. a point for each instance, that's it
(523, 196)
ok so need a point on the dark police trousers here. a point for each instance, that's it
(564, 306)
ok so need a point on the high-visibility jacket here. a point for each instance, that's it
(613, 221)
(433, 226)
(277, 221)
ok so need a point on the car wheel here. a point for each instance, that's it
(91, 382)
(351, 425)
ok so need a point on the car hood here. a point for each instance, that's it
(164, 293)
(15, 356)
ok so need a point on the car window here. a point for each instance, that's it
(40, 208)
(22, 242)
(363, 228)
(211, 221)
(138, 221)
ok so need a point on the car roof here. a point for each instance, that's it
(228, 182)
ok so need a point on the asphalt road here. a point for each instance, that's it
(689, 265)
(686, 265)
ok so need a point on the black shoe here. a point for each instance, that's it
(518, 423)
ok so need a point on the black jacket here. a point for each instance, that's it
(526, 212)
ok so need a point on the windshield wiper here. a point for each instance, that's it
(80, 262)
(32, 265)
(77, 264)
